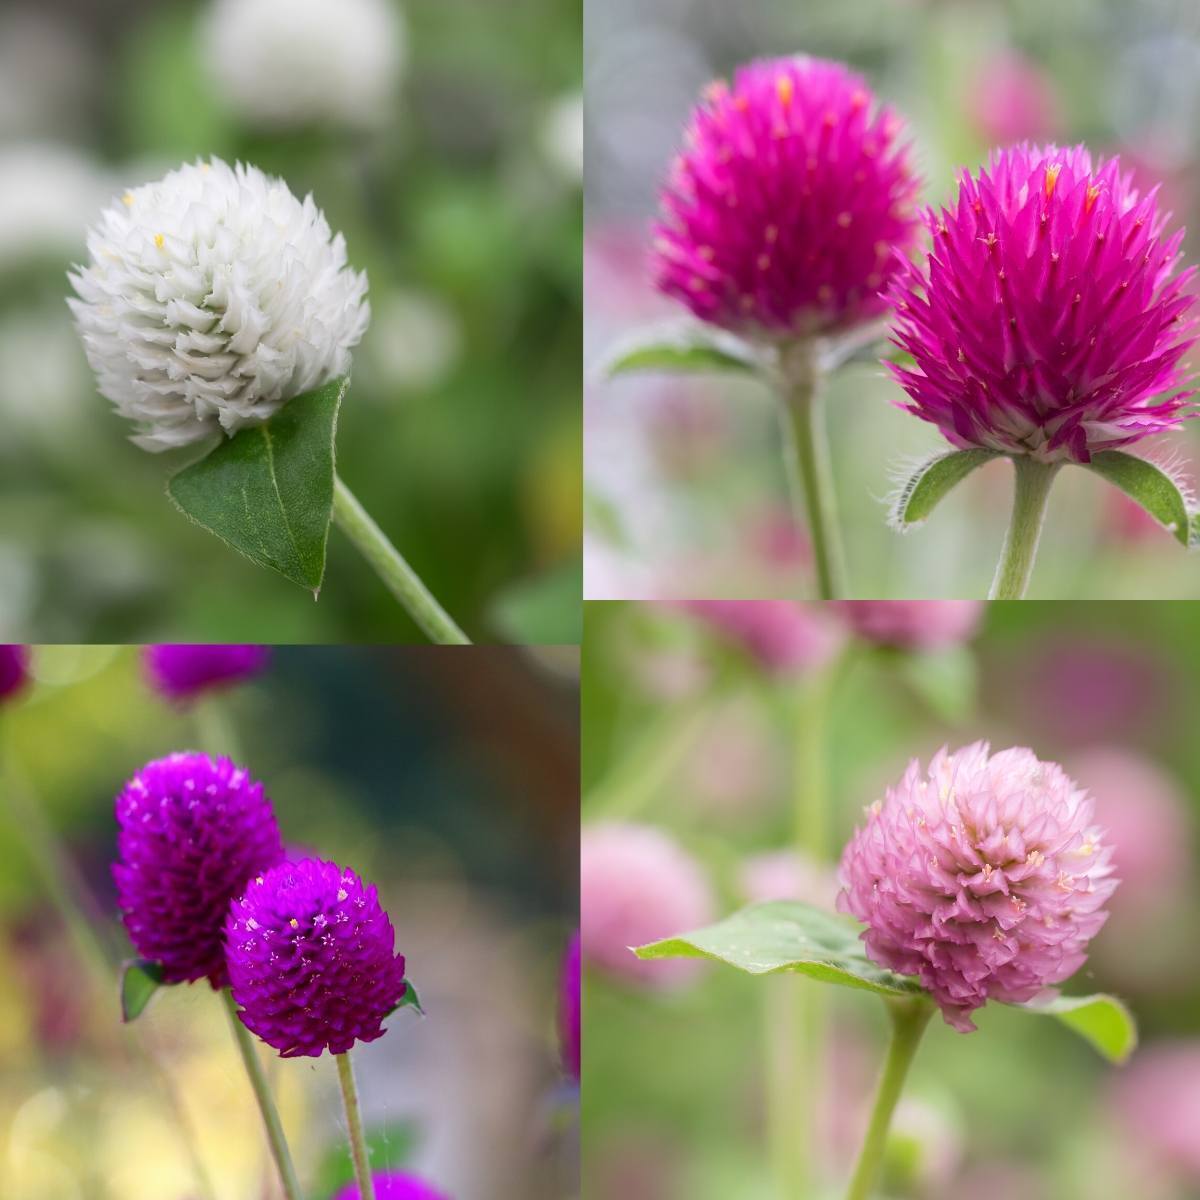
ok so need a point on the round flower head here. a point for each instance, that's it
(212, 298)
(184, 672)
(394, 1187)
(984, 877)
(14, 670)
(638, 885)
(312, 959)
(289, 63)
(569, 1021)
(913, 624)
(191, 831)
(1156, 1100)
(778, 635)
(1050, 318)
(783, 212)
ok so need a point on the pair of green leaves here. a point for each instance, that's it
(268, 490)
(765, 939)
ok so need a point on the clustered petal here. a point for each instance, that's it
(14, 670)
(1051, 315)
(312, 959)
(191, 831)
(183, 672)
(984, 877)
(390, 1186)
(783, 212)
(213, 297)
(912, 624)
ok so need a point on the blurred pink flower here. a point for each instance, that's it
(787, 875)
(1013, 100)
(1156, 1099)
(779, 540)
(780, 635)
(913, 624)
(14, 669)
(636, 885)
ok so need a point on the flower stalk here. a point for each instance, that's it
(1030, 495)
(358, 1141)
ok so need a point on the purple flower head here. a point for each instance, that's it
(182, 673)
(312, 959)
(569, 1009)
(913, 624)
(984, 877)
(191, 831)
(1050, 318)
(1012, 99)
(394, 1187)
(782, 213)
(14, 670)
(780, 635)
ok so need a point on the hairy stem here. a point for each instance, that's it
(1030, 493)
(358, 1141)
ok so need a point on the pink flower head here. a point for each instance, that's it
(14, 670)
(984, 877)
(1012, 100)
(1050, 318)
(1156, 1099)
(779, 635)
(781, 215)
(913, 624)
(638, 885)
(787, 875)
(184, 672)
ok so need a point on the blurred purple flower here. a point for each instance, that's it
(312, 959)
(569, 1009)
(1050, 318)
(1013, 100)
(787, 875)
(191, 831)
(780, 635)
(183, 672)
(782, 213)
(1157, 1101)
(913, 624)
(638, 885)
(984, 877)
(394, 1187)
(14, 670)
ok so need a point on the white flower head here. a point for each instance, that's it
(211, 299)
(287, 63)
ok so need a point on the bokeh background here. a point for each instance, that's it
(458, 193)
(685, 491)
(687, 735)
(447, 778)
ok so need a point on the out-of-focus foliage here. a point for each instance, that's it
(461, 431)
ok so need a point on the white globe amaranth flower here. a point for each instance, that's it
(213, 297)
(288, 63)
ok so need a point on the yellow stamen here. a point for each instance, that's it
(158, 240)
(294, 923)
(127, 199)
(1052, 173)
(786, 89)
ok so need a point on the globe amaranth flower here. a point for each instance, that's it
(293, 63)
(183, 672)
(390, 1186)
(912, 624)
(637, 884)
(1156, 1101)
(569, 1014)
(14, 670)
(312, 959)
(983, 876)
(192, 831)
(1051, 317)
(782, 214)
(211, 298)
(779, 635)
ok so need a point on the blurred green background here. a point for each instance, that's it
(461, 431)
(685, 489)
(685, 735)
(446, 778)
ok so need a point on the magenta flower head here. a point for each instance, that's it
(984, 877)
(191, 831)
(569, 1015)
(1051, 317)
(913, 624)
(182, 673)
(312, 959)
(394, 1187)
(14, 670)
(779, 635)
(782, 214)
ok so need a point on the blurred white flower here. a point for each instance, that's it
(562, 137)
(212, 298)
(288, 63)
(415, 340)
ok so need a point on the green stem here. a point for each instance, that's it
(807, 459)
(1030, 493)
(401, 580)
(909, 1018)
(215, 730)
(358, 1141)
(262, 1094)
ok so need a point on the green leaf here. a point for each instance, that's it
(389, 1148)
(919, 496)
(410, 999)
(140, 979)
(1148, 485)
(1101, 1020)
(784, 935)
(681, 348)
(545, 610)
(268, 491)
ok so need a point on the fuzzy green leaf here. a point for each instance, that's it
(680, 348)
(1148, 485)
(1101, 1020)
(410, 999)
(140, 979)
(268, 491)
(920, 495)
